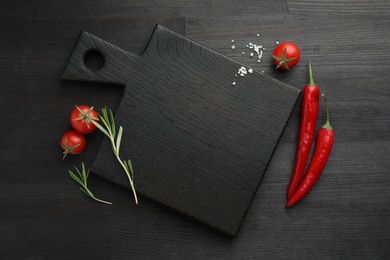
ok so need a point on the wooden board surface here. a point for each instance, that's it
(155, 9)
(373, 7)
(199, 144)
(43, 216)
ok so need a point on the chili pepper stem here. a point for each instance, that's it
(311, 83)
(327, 123)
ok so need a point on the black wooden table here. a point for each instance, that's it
(346, 216)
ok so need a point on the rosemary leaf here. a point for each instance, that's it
(105, 115)
(84, 172)
(130, 166)
(106, 124)
(119, 139)
(74, 177)
(101, 128)
(127, 166)
(112, 122)
(79, 173)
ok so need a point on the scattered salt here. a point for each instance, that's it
(242, 71)
(258, 49)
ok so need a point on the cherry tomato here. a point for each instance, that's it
(72, 143)
(81, 118)
(286, 56)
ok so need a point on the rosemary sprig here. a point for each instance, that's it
(81, 178)
(108, 128)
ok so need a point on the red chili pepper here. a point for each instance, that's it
(311, 96)
(324, 144)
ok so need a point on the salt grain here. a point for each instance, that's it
(258, 49)
(234, 83)
(277, 42)
(242, 71)
(255, 50)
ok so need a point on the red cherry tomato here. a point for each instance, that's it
(286, 56)
(81, 118)
(72, 143)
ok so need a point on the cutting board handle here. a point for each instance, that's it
(112, 61)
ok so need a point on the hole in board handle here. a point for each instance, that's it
(94, 60)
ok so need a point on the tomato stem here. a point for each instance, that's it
(86, 116)
(283, 61)
(327, 123)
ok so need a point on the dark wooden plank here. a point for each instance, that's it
(188, 131)
(139, 8)
(353, 81)
(345, 217)
(43, 214)
(373, 7)
(347, 210)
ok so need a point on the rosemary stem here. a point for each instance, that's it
(124, 167)
(102, 201)
(93, 197)
(130, 180)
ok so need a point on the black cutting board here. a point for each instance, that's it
(198, 144)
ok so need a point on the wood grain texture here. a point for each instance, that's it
(139, 8)
(346, 215)
(200, 144)
(42, 213)
(43, 216)
(374, 7)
